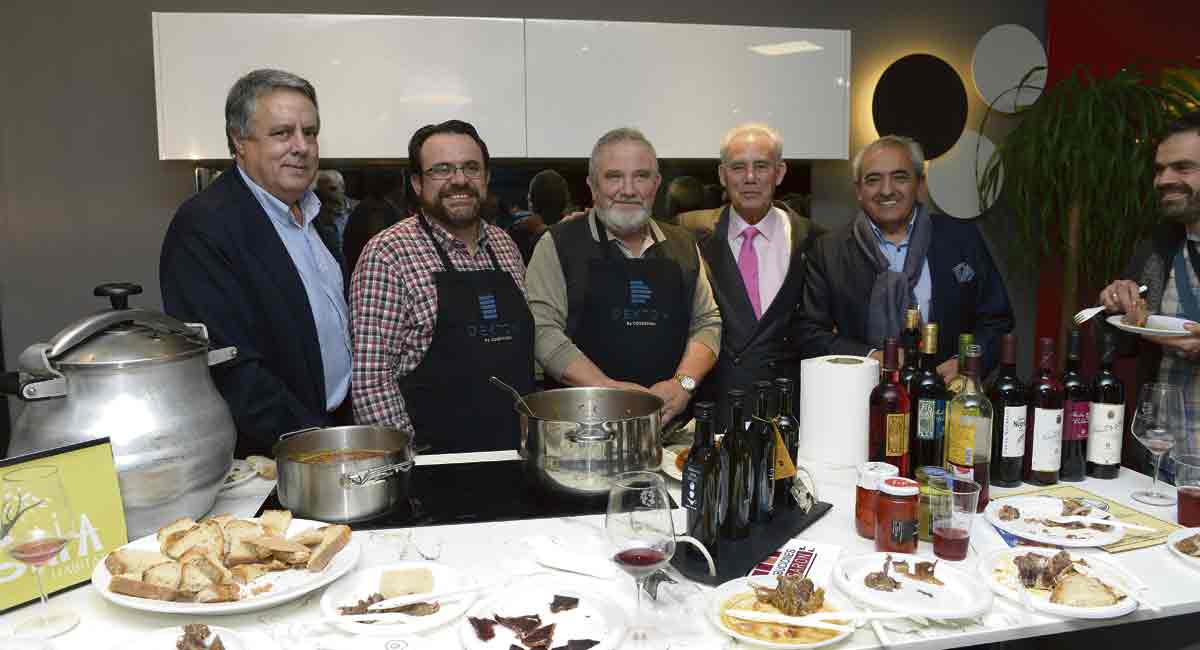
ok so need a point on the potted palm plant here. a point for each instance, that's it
(1077, 170)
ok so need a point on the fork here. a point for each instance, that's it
(1084, 315)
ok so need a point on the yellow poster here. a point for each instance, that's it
(61, 510)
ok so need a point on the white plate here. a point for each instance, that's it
(740, 585)
(962, 595)
(166, 637)
(669, 455)
(361, 584)
(1000, 574)
(287, 585)
(1178, 536)
(1041, 507)
(597, 617)
(240, 472)
(1156, 325)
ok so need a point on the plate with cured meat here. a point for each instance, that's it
(911, 584)
(545, 613)
(1040, 519)
(1061, 582)
(795, 596)
(1185, 544)
(1154, 324)
(355, 593)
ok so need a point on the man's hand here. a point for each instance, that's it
(948, 369)
(1120, 297)
(674, 398)
(627, 385)
(1187, 347)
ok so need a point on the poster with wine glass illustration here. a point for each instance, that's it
(60, 514)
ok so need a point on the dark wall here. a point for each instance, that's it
(84, 198)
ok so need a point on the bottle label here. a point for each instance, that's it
(785, 466)
(958, 471)
(931, 419)
(1076, 425)
(1012, 444)
(904, 531)
(693, 486)
(1106, 431)
(1047, 440)
(960, 441)
(897, 435)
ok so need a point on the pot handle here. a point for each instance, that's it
(293, 434)
(374, 475)
(221, 355)
(42, 380)
(603, 432)
(82, 330)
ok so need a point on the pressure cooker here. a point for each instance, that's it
(140, 378)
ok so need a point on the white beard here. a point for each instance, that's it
(623, 221)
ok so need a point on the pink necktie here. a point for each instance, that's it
(748, 265)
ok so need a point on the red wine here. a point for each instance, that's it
(1007, 395)
(38, 551)
(1077, 398)
(1106, 421)
(789, 430)
(910, 345)
(888, 425)
(928, 397)
(741, 470)
(982, 472)
(762, 439)
(701, 491)
(639, 562)
(951, 543)
(1189, 505)
(1043, 444)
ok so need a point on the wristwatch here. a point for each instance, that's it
(688, 383)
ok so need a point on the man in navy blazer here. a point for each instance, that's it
(244, 257)
(862, 277)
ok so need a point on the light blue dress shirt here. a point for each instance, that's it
(322, 279)
(896, 254)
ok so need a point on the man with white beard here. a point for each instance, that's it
(618, 299)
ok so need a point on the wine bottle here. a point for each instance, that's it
(956, 385)
(701, 492)
(1043, 444)
(740, 471)
(762, 435)
(969, 426)
(888, 427)
(789, 431)
(1008, 398)
(1106, 419)
(910, 345)
(1077, 398)
(928, 393)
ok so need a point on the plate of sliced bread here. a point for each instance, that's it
(225, 565)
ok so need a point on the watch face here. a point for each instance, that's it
(688, 383)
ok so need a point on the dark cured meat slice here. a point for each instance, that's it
(580, 644)
(563, 603)
(520, 625)
(515, 647)
(539, 638)
(484, 628)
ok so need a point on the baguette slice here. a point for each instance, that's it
(222, 593)
(206, 535)
(222, 519)
(139, 589)
(282, 550)
(310, 537)
(182, 524)
(127, 560)
(169, 574)
(336, 538)
(241, 551)
(202, 560)
(245, 573)
(276, 522)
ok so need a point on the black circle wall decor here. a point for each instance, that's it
(922, 97)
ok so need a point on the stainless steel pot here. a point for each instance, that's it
(141, 378)
(577, 439)
(346, 491)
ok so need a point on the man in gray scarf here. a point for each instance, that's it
(894, 254)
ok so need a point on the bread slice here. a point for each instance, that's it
(244, 573)
(167, 574)
(222, 593)
(128, 560)
(178, 525)
(276, 522)
(1078, 590)
(139, 589)
(222, 519)
(207, 534)
(310, 537)
(240, 551)
(282, 550)
(201, 559)
(336, 538)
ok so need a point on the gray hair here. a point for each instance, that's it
(615, 136)
(243, 99)
(754, 127)
(915, 153)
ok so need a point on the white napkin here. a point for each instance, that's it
(588, 559)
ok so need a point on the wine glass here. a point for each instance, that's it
(639, 526)
(1158, 419)
(37, 523)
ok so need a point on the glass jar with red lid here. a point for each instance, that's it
(896, 516)
(866, 494)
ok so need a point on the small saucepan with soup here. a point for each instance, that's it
(343, 474)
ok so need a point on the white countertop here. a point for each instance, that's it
(499, 550)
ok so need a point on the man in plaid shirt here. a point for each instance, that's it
(438, 306)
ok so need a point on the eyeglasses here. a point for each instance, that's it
(446, 171)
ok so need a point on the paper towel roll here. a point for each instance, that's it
(835, 392)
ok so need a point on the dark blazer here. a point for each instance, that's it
(968, 293)
(751, 349)
(224, 265)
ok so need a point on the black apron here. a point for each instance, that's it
(484, 328)
(636, 317)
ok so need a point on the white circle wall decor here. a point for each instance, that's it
(1002, 58)
(953, 180)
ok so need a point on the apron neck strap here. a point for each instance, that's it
(446, 263)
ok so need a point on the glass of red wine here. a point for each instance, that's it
(36, 524)
(952, 505)
(640, 528)
(1159, 418)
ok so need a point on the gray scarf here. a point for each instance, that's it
(893, 292)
